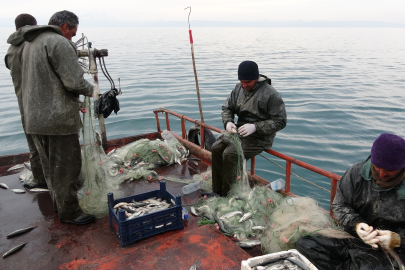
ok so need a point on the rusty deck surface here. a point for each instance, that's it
(53, 245)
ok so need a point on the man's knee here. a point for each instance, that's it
(231, 152)
(217, 147)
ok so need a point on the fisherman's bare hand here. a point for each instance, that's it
(366, 233)
(230, 127)
(247, 129)
(388, 240)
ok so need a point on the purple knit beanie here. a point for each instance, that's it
(388, 152)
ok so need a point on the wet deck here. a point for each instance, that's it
(53, 245)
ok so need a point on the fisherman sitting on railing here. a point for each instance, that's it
(261, 113)
(370, 204)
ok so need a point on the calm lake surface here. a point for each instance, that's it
(342, 88)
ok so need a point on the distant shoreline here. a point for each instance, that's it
(88, 22)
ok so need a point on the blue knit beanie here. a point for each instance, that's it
(388, 152)
(248, 70)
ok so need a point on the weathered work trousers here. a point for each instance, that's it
(35, 162)
(61, 162)
(225, 162)
(345, 254)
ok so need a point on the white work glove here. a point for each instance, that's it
(388, 240)
(247, 129)
(230, 127)
(367, 234)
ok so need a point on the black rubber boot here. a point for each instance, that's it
(80, 220)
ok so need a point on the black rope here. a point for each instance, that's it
(102, 69)
(113, 84)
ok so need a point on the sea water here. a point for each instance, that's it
(342, 88)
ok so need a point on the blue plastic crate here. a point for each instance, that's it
(130, 231)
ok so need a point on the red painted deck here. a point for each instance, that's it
(53, 245)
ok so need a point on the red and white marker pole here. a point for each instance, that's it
(195, 70)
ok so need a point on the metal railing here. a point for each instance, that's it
(289, 160)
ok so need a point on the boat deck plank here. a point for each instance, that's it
(53, 245)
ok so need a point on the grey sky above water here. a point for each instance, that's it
(366, 13)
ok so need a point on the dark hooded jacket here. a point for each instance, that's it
(262, 106)
(12, 62)
(360, 199)
(52, 81)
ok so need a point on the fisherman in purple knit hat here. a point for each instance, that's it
(370, 205)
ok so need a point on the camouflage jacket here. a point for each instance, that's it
(359, 199)
(51, 83)
(12, 62)
(263, 107)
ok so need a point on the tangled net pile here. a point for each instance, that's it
(274, 221)
(103, 173)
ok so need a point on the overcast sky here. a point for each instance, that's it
(392, 11)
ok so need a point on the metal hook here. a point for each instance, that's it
(188, 17)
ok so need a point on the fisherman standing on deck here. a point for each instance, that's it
(261, 113)
(12, 62)
(52, 81)
(369, 204)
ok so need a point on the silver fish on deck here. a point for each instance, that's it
(278, 266)
(19, 166)
(156, 209)
(193, 211)
(112, 152)
(298, 262)
(195, 265)
(21, 231)
(231, 214)
(245, 217)
(128, 209)
(220, 224)
(27, 165)
(136, 214)
(38, 190)
(18, 191)
(13, 250)
(248, 243)
(120, 204)
(4, 186)
(266, 261)
(291, 262)
(258, 228)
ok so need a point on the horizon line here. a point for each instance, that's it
(88, 22)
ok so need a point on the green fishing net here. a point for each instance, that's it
(95, 185)
(103, 173)
(275, 220)
(260, 213)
